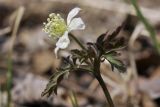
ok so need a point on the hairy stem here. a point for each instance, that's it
(96, 72)
(147, 25)
(98, 76)
(80, 44)
(77, 41)
(105, 90)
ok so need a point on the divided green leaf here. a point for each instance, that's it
(79, 55)
(54, 81)
(115, 63)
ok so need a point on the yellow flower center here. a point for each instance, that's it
(55, 25)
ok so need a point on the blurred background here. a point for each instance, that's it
(23, 43)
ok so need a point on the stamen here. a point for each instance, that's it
(55, 25)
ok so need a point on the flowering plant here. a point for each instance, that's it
(88, 58)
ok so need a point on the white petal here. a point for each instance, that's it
(72, 14)
(76, 24)
(56, 51)
(63, 41)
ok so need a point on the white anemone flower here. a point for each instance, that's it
(58, 29)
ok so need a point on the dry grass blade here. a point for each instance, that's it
(13, 37)
(5, 31)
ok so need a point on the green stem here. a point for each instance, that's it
(147, 25)
(105, 90)
(80, 44)
(97, 73)
(98, 76)
(77, 41)
(73, 99)
(10, 62)
(9, 80)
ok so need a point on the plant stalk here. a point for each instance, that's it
(80, 44)
(19, 15)
(73, 99)
(9, 80)
(97, 73)
(98, 76)
(105, 90)
(147, 25)
(77, 41)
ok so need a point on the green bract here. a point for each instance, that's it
(55, 25)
